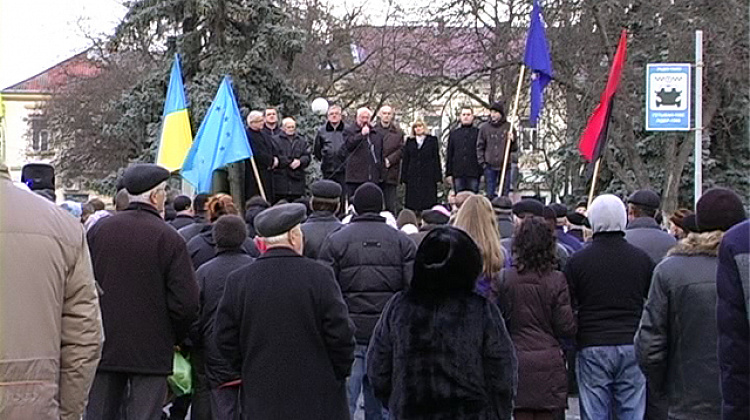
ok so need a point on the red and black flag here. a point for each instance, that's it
(594, 138)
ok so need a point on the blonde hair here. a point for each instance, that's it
(416, 124)
(477, 218)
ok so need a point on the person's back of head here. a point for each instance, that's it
(229, 232)
(406, 217)
(477, 218)
(97, 204)
(446, 265)
(607, 214)
(643, 203)
(534, 246)
(199, 203)
(368, 198)
(122, 200)
(182, 203)
(220, 205)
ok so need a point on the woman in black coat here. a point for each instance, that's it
(420, 168)
(440, 351)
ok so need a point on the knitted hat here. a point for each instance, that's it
(368, 198)
(719, 209)
(498, 106)
(229, 231)
(607, 214)
(182, 202)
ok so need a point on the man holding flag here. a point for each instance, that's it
(221, 140)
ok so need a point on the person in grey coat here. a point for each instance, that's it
(326, 196)
(677, 339)
(642, 230)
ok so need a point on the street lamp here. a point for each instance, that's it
(319, 106)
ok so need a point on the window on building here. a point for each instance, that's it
(40, 135)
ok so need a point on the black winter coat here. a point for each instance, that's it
(263, 153)
(421, 172)
(677, 338)
(364, 155)
(212, 278)
(393, 145)
(539, 314)
(150, 295)
(450, 360)
(608, 281)
(202, 248)
(192, 230)
(372, 261)
(317, 227)
(461, 153)
(288, 181)
(182, 220)
(283, 323)
(327, 149)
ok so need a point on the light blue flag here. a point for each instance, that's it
(221, 140)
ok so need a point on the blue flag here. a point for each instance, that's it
(537, 59)
(221, 140)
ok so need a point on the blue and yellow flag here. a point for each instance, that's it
(176, 136)
(221, 140)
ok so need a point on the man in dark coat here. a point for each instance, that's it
(327, 147)
(324, 202)
(733, 292)
(371, 261)
(643, 231)
(263, 154)
(293, 154)
(363, 148)
(229, 234)
(393, 143)
(199, 209)
(461, 166)
(271, 126)
(283, 323)
(149, 302)
(609, 281)
(202, 248)
(184, 215)
(491, 142)
(677, 338)
(503, 208)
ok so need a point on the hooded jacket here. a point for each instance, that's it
(677, 338)
(491, 143)
(50, 323)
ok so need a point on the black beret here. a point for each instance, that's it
(577, 219)
(435, 217)
(719, 209)
(528, 205)
(279, 219)
(560, 209)
(502, 202)
(142, 177)
(645, 198)
(326, 189)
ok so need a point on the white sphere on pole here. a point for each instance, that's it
(319, 106)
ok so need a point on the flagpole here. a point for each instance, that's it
(510, 132)
(593, 181)
(257, 178)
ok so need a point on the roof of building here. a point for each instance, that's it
(80, 65)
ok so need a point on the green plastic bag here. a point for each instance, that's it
(181, 380)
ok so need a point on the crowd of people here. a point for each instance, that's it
(478, 308)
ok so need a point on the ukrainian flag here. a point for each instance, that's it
(176, 137)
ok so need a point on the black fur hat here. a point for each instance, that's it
(447, 261)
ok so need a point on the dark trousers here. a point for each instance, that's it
(533, 414)
(390, 194)
(201, 408)
(467, 183)
(225, 403)
(137, 396)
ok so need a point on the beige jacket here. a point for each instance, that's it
(50, 323)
